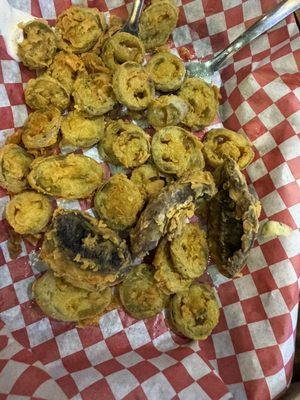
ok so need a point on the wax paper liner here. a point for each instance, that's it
(250, 353)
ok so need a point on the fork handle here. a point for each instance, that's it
(133, 21)
(277, 14)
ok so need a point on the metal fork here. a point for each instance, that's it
(132, 24)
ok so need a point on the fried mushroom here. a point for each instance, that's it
(72, 176)
(203, 100)
(60, 300)
(133, 86)
(166, 111)
(175, 150)
(38, 47)
(14, 168)
(118, 202)
(29, 212)
(167, 71)
(220, 144)
(195, 312)
(139, 293)
(41, 128)
(80, 131)
(125, 144)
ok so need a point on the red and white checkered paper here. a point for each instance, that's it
(250, 353)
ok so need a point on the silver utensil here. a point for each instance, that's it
(206, 70)
(132, 24)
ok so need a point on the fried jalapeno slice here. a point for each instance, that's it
(166, 111)
(118, 202)
(93, 94)
(28, 212)
(93, 63)
(84, 252)
(45, 92)
(14, 168)
(222, 143)
(122, 47)
(167, 71)
(80, 131)
(41, 128)
(38, 46)
(125, 144)
(233, 220)
(157, 23)
(72, 176)
(133, 86)
(78, 29)
(175, 150)
(149, 179)
(140, 295)
(203, 100)
(195, 311)
(60, 300)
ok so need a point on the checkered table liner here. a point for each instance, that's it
(250, 353)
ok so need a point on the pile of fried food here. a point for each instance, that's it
(145, 244)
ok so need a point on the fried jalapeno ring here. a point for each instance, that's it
(133, 86)
(203, 101)
(78, 29)
(222, 143)
(64, 69)
(93, 63)
(93, 94)
(140, 295)
(41, 128)
(71, 176)
(166, 111)
(233, 220)
(84, 252)
(175, 150)
(60, 300)
(125, 144)
(157, 23)
(38, 46)
(167, 71)
(195, 311)
(80, 131)
(149, 179)
(189, 251)
(44, 92)
(118, 202)
(14, 168)
(122, 47)
(29, 212)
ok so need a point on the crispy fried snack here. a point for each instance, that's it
(175, 150)
(133, 86)
(125, 144)
(167, 111)
(64, 68)
(233, 220)
(157, 23)
(122, 47)
(84, 252)
(93, 94)
(167, 278)
(44, 92)
(149, 179)
(72, 176)
(203, 101)
(167, 71)
(29, 212)
(78, 29)
(14, 168)
(93, 63)
(60, 300)
(139, 293)
(118, 202)
(41, 128)
(38, 46)
(222, 143)
(80, 131)
(165, 214)
(195, 311)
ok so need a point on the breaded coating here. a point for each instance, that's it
(149, 179)
(166, 111)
